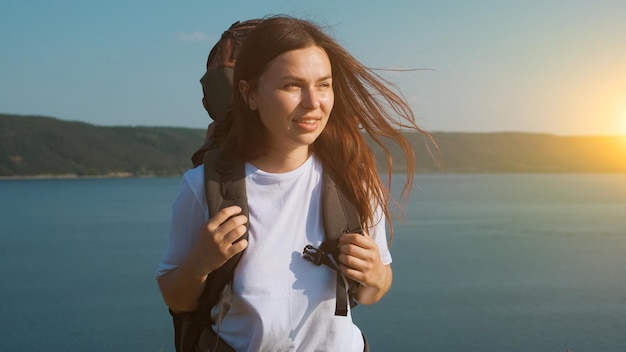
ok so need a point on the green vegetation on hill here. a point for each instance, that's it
(32, 145)
(35, 145)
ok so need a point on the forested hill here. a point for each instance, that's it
(36, 146)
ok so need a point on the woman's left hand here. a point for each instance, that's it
(359, 260)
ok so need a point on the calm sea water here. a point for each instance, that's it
(482, 263)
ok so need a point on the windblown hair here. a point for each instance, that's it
(363, 101)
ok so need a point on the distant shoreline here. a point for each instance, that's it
(48, 148)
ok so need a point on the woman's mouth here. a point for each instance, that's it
(307, 124)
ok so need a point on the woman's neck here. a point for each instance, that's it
(277, 161)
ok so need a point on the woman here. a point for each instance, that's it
(301, 103)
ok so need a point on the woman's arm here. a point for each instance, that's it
(182, 286)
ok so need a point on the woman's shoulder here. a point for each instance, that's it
(194, 179)
(195, 175)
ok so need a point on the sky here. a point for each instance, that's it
(540, 66)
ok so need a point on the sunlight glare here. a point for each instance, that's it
(621, 124)
(619, 115)
(622, 120)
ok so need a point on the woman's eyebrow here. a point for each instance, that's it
(301, 79)
(327, 77)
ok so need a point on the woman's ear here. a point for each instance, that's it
(247, 94)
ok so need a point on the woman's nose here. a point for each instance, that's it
(310, 99)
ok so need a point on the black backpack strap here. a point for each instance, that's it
(224, 186)
(224, 181)
(197, 158)
(340, 217)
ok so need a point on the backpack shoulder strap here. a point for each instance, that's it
(224, 186)
(340, 217)
(224, 182)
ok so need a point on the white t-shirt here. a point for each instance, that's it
(281, 302)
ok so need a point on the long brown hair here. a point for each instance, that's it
(363, 101)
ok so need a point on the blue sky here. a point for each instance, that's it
(535, 66)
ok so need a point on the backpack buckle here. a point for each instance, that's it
(313, 254)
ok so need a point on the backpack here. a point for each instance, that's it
(224, 179)
(217, 83)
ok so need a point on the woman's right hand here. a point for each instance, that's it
(220, 239)
(217, 242)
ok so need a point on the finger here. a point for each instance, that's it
(353, 273)
(356, 239)
(237, 247)
(354, 250)
(372, 278)
(235, 233)
(365, 249)
(233, 222)
(352, 262)
(227, 252)
(222, 216)
(224, 222)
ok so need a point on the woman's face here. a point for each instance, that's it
(294, 97)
